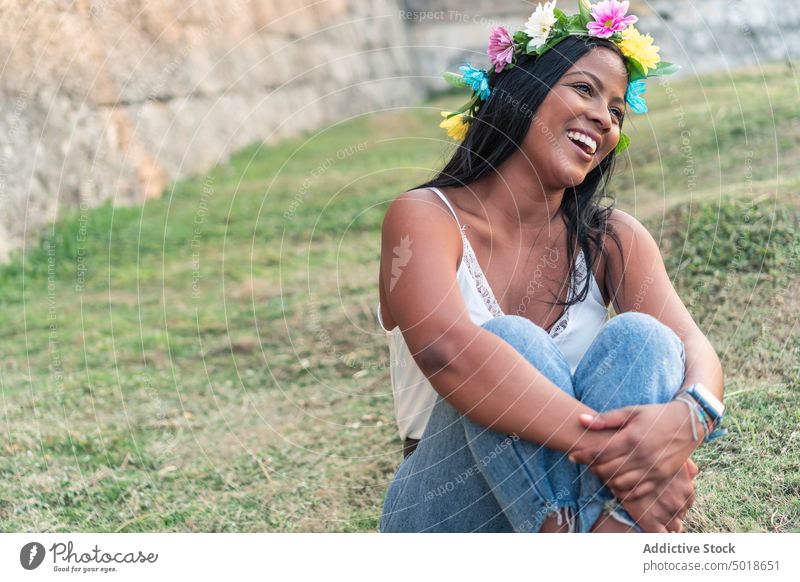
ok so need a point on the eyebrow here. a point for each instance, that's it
(596, 80)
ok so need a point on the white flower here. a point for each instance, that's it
(539, 24)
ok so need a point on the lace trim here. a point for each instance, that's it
(489, 298)
(560, 325)
(580, 270)
(580, 274)
(480, 279)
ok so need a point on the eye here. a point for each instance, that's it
(587, 89)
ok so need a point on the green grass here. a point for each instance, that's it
(210, 361)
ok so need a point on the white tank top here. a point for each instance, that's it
(414, 396)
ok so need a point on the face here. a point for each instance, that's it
(578, 123)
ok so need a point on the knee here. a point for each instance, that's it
(535, 345)
(524, 335)
(640, 357)
(645, 332)
(514, 326)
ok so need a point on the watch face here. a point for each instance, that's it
(710, 402)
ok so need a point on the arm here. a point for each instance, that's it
(638, 281)
(655, 440)
(478, 373)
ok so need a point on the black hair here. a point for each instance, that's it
(499, 127)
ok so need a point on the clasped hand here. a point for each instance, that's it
(646, 445)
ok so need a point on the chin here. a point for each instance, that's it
(573, 178)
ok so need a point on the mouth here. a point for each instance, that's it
(583, 144)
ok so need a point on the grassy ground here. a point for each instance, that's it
(210, 361)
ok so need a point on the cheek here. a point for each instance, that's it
(539, 144)
(613, 140)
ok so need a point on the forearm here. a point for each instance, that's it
(703, 365)
(492, 384)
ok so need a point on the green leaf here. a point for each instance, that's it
(464, 107)
(585, 11)
(576, 22)
(554, 40)
(521, 38)
(624, 142)
(561, 18)
(635, 70)
(455, 80)
(530, 49)
(664, 68)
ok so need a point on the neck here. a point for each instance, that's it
(515, 197)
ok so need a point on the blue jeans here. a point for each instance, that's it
(463, 477)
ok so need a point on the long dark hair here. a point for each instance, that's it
(499, 128)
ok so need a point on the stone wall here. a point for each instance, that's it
(712, 35)
(111, 99)
(701, 35)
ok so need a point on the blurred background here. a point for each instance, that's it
(192, 196)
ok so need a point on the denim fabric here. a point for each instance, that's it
(467, 478)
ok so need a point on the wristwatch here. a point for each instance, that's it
(713, 408)
(706, 399)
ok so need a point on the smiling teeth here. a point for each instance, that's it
(582, 137)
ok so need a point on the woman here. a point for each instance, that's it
(519, 415)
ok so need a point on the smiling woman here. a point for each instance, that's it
(498, 407)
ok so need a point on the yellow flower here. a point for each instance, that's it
(640, 47)
(456, 126)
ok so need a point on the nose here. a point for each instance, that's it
(600, 114)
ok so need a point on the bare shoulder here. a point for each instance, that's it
(420, 251)
(633, 263)
(419, 203)
(626, 224)
(420, 214)
(633, 235)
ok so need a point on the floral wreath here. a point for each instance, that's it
(548, 26)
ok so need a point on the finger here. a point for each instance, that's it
(607, 420)
(614, 449)
(607, 471)
(689, 502)
(581, 456)
(586, 456)
(683, 512)
(627, 481)
(675, 526)
(692, 468)
(655, 525)
(676, 513)
(642, 489)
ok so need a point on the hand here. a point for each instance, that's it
(648, 487)
(664, 509)
(652, 442)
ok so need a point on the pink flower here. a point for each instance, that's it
(609, 17)
(501, 48)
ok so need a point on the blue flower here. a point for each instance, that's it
(477, 79)
(633, 96)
